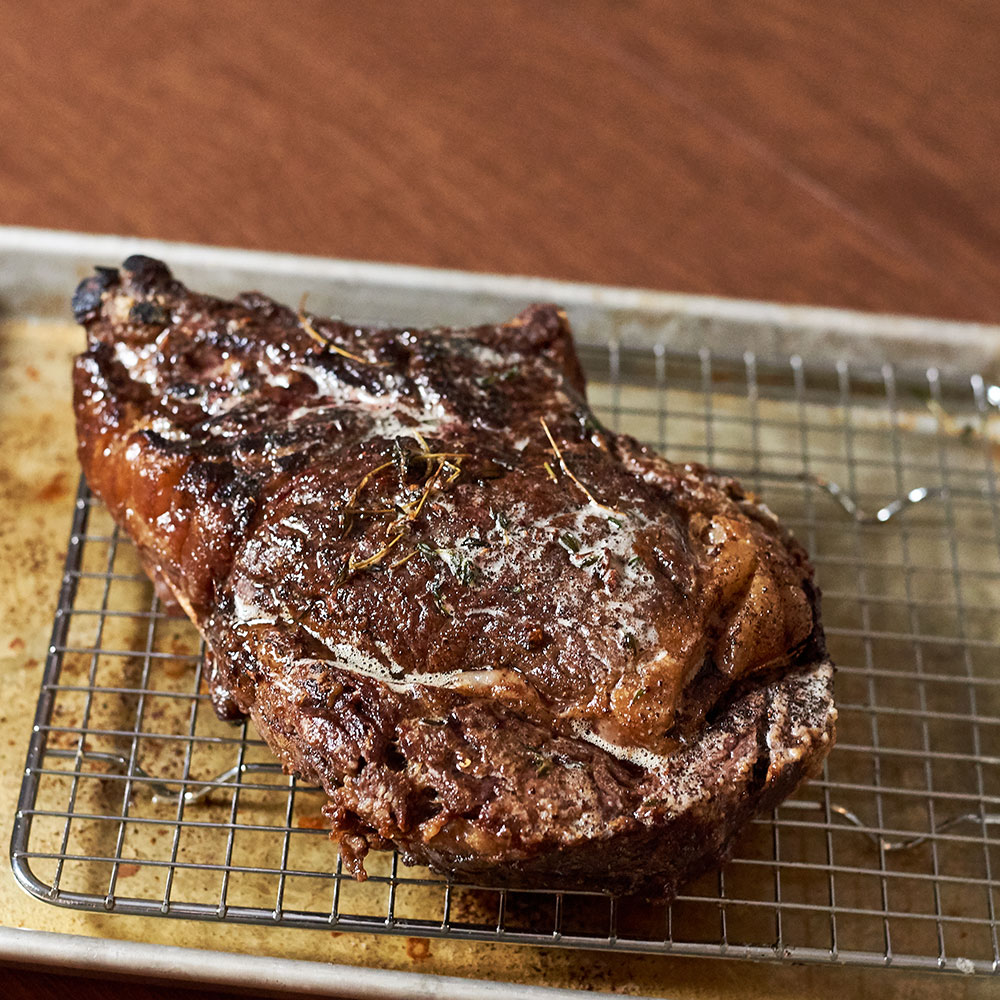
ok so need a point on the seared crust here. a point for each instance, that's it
(521, 648)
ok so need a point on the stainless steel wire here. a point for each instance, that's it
(136, 799)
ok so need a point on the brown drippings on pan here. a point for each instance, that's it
(313, 822)
(418, 949)
(54, 489)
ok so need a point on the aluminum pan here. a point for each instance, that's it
(37, 266)
(196, 968)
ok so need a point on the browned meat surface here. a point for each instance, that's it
(517, 646)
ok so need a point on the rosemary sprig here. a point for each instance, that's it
(413, 510)
(569, 472)
(405, 559)
(349, 510)
(327, 344)
(448, 464)
(353, 567)
(365, 480)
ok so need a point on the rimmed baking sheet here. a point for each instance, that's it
(703, 377)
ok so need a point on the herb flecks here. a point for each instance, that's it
(460, 565)
(456, 559)
(541, 763)
(485, 381)
(569, 542)
(502, 522)
(435, 589)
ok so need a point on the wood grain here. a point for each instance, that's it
(843, 154)
(17, 984)
(775, 150)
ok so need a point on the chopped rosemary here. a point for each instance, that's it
(435, 589)
(640, 693)
(569, 542)
(413, 510)
(502, 522)
(459, 564)
(485, 381)
(540, 762)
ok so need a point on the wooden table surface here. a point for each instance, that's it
(841, 154)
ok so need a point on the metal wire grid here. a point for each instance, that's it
(136, 799)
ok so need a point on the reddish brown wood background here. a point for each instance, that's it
(833, 153)
(845, 154)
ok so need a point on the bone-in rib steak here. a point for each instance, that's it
(516, 646)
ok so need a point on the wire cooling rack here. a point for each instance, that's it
(136, 799)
